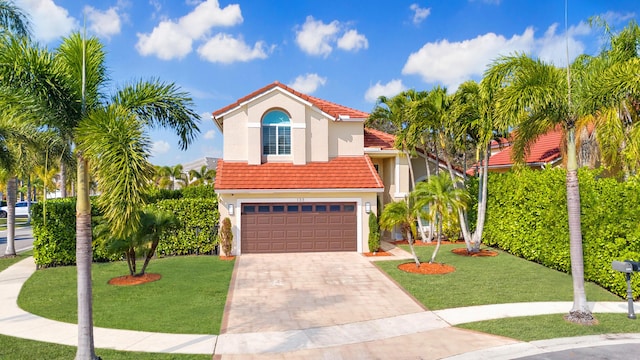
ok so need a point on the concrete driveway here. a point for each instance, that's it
(331, 305)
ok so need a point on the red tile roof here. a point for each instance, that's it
(338, 173)
(378, 139)
(328, 107)
(544, 150)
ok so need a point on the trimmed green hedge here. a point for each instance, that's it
(197, 210)
(527, 216)
(199, 219)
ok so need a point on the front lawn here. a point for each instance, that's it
(487, 280)
(8, 261)
(22, 349)
(188, 299)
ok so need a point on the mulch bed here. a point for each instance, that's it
(420, 243)
(481, 253)
(130, 280)
(426, 268)
(378, 253)
(227, 258)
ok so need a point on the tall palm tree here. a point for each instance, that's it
(177, 175)
(68, 87)
(444, 200)
(202, 176)
(534, 99)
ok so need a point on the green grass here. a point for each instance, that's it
(21, 349)
(487, 280)
(8, 261)
(188, 299)
(553, 326)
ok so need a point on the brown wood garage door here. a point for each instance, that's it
(298, 227)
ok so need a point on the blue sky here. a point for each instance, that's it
(345, 51)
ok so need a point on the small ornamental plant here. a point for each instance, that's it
(374, 233)
(226, 237)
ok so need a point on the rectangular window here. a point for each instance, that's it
(349, 208)
(284, 140)
(263, 208)
(321, 208)
(307, 208)
(249, 209)
(269, 140)
(292, 208)
(334, 208)
(278, 208)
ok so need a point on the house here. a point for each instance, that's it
(302, 174)
(545, 151)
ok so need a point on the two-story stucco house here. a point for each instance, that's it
(301, 174)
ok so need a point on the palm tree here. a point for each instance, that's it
(68, 88)
(13, 19)
(204, 176)
(403, 214)
(444, 200)
(534, 99)
(177, 174)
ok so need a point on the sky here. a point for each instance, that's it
(345, 51)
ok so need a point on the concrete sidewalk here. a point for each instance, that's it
(421, 334)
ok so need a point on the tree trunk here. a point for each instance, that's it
(85, 349)
(580, 312)
(29, 198)
(413, 251)
(11, 217)
(63, 180)
(476, 238)
(150, 254)
(438, 241)
(426, 163)
(462, 214)
(413, 184)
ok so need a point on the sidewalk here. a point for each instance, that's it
(397, 334)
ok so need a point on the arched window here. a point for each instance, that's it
(276, 133)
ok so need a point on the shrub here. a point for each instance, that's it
(226, 236)
(199, 219)
(527, 216)
(374, 233)
(199, 192)
(156, 194)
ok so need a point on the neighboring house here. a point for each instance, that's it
(544, 152)
(301, 174)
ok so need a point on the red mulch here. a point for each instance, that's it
(420, 243)
(227, 258)
(481, 253)
(377, 253)
(426, 268)
(130, 280)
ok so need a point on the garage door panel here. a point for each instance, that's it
(298, 227)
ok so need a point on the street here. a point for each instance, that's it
(24, 239)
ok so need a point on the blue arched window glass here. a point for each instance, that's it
(276, 133)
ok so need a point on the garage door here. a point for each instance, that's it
(298, 227)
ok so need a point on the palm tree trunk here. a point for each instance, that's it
(11, 217)
(150, 254)
(86, 349)
(476, 238)
(580, 312)
(29, 198)
(63, 180)
(413, 184)
(426, 163)
(413, 251)
(438, 241)
(462, 214)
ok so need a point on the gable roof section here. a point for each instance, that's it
(338, 173)
(378, 139)
(337, 112)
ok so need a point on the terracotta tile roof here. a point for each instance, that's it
(544, 150)
(378, 139)
(338, 173)
(328, 107)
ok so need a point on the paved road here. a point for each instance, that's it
(23, 239)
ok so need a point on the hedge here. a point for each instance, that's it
(197, 210)
(527, 217)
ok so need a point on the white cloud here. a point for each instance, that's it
(103, 23)
(419, 14)
(308, 83)
(552, 47)
(49, 21)
(452, 63)
(210, 135)
(392, 88)
(225, 49)
(160, 147)
(614, 18)
(173, 39)
(353, 41)
(315, 36)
